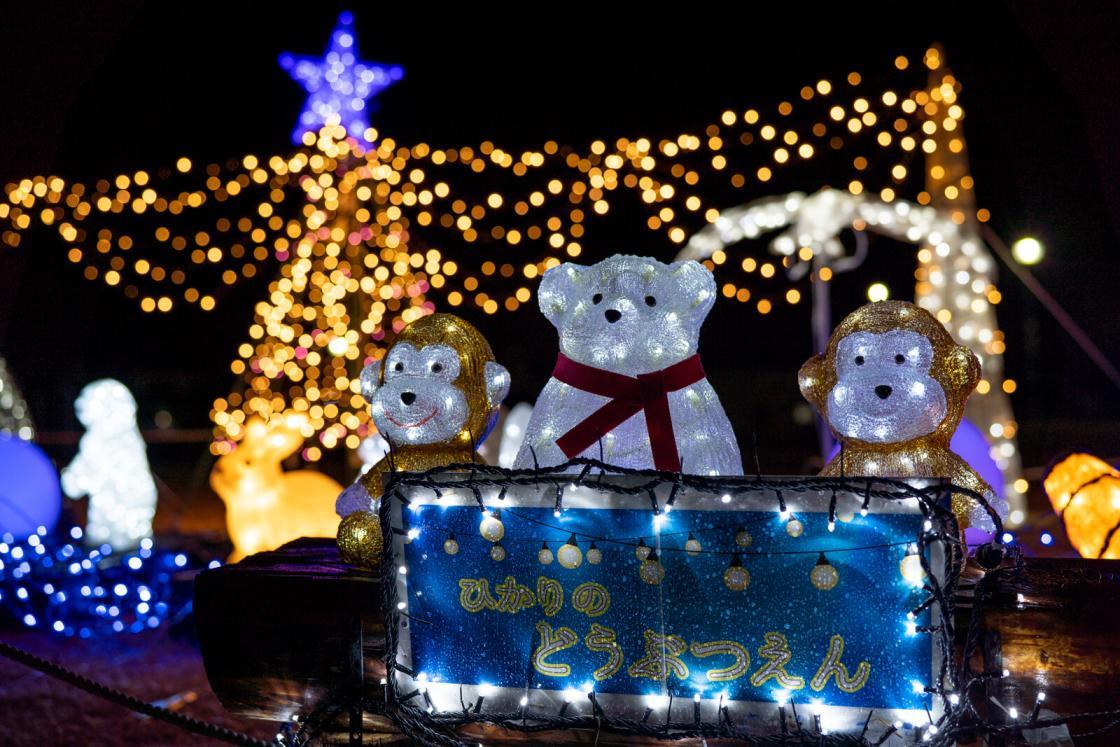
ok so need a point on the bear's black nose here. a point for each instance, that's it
(612, 315)
(883, 391)
(408, 397)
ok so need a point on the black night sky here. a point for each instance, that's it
(95, 89)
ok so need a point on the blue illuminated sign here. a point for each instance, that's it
(734, 601)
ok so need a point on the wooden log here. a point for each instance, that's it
(281, 631)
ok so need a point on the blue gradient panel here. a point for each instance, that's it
(338, 83)
(867, 608)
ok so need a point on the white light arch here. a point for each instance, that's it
(955, 283)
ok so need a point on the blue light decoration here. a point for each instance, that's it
(30, 496)
(712, 598)
(51, 582)
(340, 87)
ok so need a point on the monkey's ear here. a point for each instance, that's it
(557, 291)
(963, 366)
(811, 381)
(497, 383)
(371, 380)
(697, 284)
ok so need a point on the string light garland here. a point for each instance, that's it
(430, 726)
(343, 217)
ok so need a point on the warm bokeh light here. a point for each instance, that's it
(1028, 251)
(878, 292)
(360, 226)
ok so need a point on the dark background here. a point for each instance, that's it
(91, 90)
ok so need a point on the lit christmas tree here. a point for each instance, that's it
(15, 418)
(341, 217)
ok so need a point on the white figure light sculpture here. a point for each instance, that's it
(956, 280)
(513, 433)
(111, 467)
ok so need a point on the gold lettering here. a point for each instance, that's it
(832, 667)
(553, 642)
(550, 594)
(723, 648)
(777, 654)
(591, 599)
(474, 595)
(513, 597)
(602, 639)
(662, 657)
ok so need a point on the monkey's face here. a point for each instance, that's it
(884, 392)
(419, 402)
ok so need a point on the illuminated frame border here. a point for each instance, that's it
(547, 489)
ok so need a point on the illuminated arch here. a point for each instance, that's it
(956, 281)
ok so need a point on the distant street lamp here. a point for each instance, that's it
(1027, 251)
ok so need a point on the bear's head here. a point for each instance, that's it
(106, 406)
(438, 383)
(891, 373)
(631, 315)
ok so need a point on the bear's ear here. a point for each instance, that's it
(497, 383)
(371, 380)
(811, 381)
(697, 285)
(963, 368)
(556, 294)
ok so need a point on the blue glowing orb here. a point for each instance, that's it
(338, 84)
(30, 496)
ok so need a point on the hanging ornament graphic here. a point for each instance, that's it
(824, 575)
(736, 577)
(569, 555)
(594, 555)
(544, 555)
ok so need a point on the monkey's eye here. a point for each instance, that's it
(859, 360)
(398, 367)
(651, 301)
(437, 367)
(597, 299)
(900, 359)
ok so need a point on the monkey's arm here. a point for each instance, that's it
(969, 512)
(360, 495)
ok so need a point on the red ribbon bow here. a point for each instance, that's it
(629, 396)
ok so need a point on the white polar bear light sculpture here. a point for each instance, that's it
(111, 467)
(628, 387)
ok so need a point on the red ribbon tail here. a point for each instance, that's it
(596, 425)
(662, 440)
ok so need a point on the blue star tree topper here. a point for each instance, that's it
(339, 85)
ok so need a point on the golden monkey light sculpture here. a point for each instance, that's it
(434, 397)
(892, 385)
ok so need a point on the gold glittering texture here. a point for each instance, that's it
(359, 539)
(892, 385)
(435, 398)
(474, 354)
